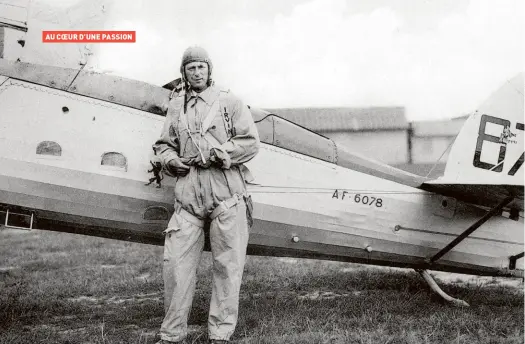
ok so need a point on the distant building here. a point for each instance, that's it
(430, 144)
(432, 140)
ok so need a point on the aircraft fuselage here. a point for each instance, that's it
(80, 165)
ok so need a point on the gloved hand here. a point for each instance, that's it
(177, 167)
(211, 159)
(218, 157)
(199, 162)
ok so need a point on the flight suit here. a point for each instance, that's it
(217, 120)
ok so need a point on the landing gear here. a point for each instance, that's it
(434, 286)
(424, 272)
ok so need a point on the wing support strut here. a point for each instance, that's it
(430, 280)
(434, 286)
(471, 229)
(14, 24)
(513, 259)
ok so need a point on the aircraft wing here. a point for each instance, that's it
(488, 195)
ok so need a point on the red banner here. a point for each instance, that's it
(89, 36)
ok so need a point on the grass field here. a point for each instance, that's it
(62, 288)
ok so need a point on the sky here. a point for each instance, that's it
(438, 59)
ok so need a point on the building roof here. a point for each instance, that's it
(345, 119)
(448, 127)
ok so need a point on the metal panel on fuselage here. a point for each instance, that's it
(339, 207)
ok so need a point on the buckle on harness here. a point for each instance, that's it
(225, 205)
(186, 215)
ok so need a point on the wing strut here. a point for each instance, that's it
(14, 24)
(426, 275)
(471, 229)
(513, 259)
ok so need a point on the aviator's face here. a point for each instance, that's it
(197, 75)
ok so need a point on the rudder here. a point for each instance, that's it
(490, 146)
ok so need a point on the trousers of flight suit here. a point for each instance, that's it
(183, 247)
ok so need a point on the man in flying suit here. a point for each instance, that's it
(207, 137)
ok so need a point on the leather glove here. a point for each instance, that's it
(218, 157)
(177, 167)
(211, 159)
(199, 162)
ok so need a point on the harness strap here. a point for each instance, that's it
(183, 118)
(213, 142)
(186, 215)
(210, 116)
(221, 208)
(225, 205)
(205, 124)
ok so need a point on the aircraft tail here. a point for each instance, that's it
(489, 148)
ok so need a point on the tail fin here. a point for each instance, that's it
(489, 148)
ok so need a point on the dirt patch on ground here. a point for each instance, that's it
(6, 269)
(144, 277)
(449, 277)
(137, 298)
(326, 295)
(445, 277)
(89, 299)
(314, 295)
(73, 331)
(109, 266)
